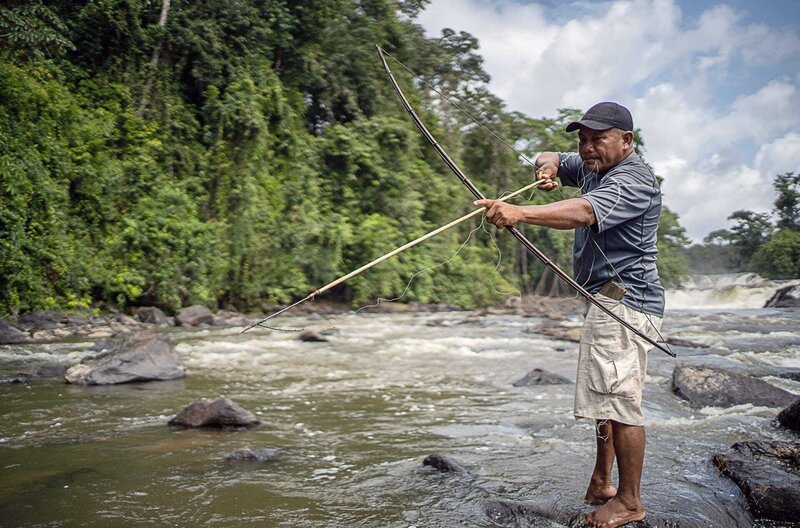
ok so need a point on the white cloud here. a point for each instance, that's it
(711, 118)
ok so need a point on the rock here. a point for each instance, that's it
(787, 453)
(444, 464)
(100, 334)
(680, 342)
(312, 336)
(50, 370)
(138, 357)
(771, 492)
(11, 334)
(709, 386)
(314, 316)
(541, 377)
(220, 413)
(122, 319)
(786, 297)
(557, 514)
(153, 315)
(567, 333)
(195, 316)
(252, 454)
(43, 320)
(790, 416)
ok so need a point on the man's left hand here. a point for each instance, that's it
(500, 213)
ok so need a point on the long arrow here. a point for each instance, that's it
(387, 256)
(513, 230)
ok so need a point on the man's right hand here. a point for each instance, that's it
(548, 173)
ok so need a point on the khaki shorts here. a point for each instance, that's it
(612, 364)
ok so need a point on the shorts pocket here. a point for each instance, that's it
(616, 374)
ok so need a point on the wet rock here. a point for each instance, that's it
(567, 333)
(253, 454)
(194, 316)
(685, 343)
(786, 297)
(513, 513)
(314, 316)
(444, 464)
(154, 316)
(555, 514)
(771, 492)
(541, 377)
(312, 336)
(330, 332)
(222, 413)
(790, 416)
(709, 386)
(44, 320)
(786, 453)
(11, 334)
(138, 357)
(123, 320)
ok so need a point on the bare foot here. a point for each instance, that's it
(614, 513)
(599, 492)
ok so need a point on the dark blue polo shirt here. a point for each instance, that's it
(627, 203)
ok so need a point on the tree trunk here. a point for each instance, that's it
(151, 68)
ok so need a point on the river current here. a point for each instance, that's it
(354, 417)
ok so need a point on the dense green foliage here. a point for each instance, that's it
(754, 243)
(237, 153)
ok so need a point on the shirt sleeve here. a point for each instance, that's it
(569, 168)
(621, 196)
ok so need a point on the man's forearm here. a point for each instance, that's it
(566, 214)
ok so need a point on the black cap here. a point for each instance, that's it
(603, 116)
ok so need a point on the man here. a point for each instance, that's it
(614, 258)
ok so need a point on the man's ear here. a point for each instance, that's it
(627, 138)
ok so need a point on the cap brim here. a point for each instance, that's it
(588, 123)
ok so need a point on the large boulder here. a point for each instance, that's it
(709, 386)
(194, 316)
(10, 334)
(790, 416)
(136, 357)
(541, 377)
(222, 413)
(153, 315)
(764, 473)
(786, 297)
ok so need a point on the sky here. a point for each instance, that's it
(714, 86)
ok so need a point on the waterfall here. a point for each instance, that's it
(724, 291)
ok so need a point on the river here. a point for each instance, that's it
(354, 417)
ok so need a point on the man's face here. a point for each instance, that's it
(601, 150)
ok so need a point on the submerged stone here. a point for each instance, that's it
(253, 454)
(538, 376)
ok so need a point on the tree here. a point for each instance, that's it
(787, 204)
(780, 257)
(750, 232)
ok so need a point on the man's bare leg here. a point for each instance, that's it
(626, 506)
(601, 487)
